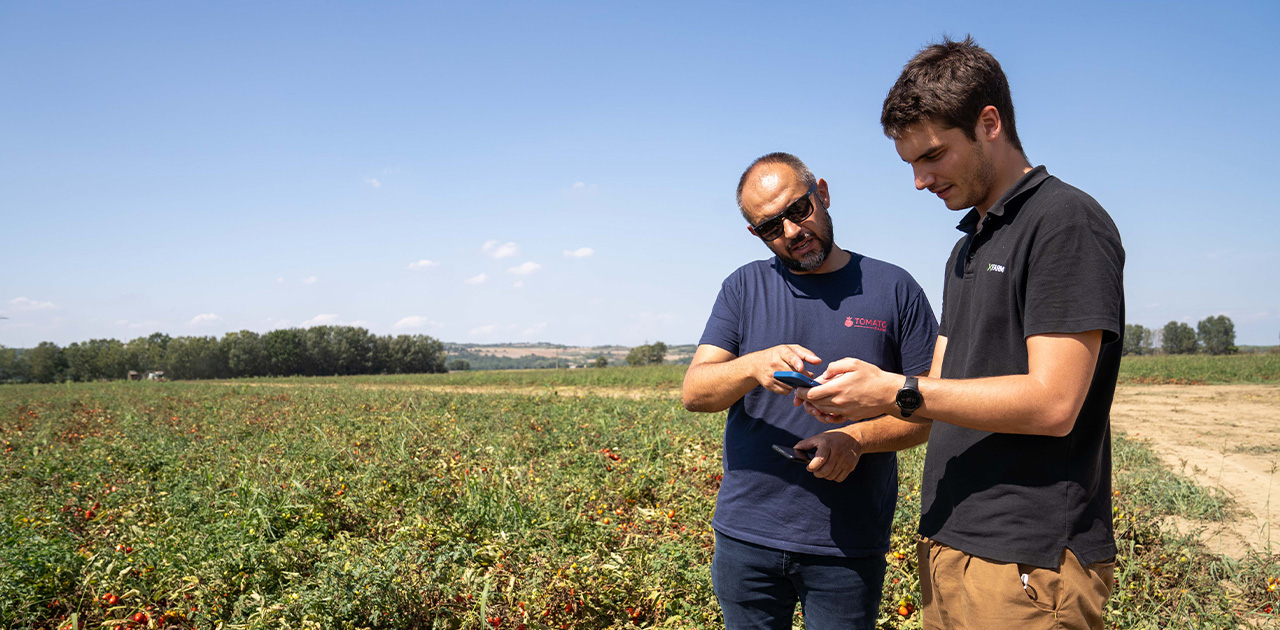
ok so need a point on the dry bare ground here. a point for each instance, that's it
(1224, 436)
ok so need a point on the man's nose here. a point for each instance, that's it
(924, 179)
(790, 229)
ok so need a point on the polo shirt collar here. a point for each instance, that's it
(1028, 182)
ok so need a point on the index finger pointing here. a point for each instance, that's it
(805, 355)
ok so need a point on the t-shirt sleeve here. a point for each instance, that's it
(1075, 281)
(724, 327)
(918, 333)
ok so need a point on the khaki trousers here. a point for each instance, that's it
(965, 592)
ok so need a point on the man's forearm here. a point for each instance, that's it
(1045, 401)
(717, 378)
(716, 386)
(887, 434)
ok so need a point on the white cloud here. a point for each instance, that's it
(415, 322)
(273, 323)
(487, 329)
(581, 252)
(204, 318)
(579, 184)
(498, 250)
(310, 280)
(21, 304)
(477, 279)
(525, 269)
(534, 329)
(423, 264)
(518, 284)
(373, 182)
(280, 280)
(324, 319)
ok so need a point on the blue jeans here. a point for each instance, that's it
(758, 587)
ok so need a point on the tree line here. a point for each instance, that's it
(315, 351)
(648, 354)
(1212, 335)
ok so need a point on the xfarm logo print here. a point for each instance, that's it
(996, 268)
(878, 325)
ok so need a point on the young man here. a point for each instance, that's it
(785, 531)
(1016, 524)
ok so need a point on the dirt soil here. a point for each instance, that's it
(1224, 436)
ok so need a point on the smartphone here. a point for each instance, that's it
(795, 379)
(800, 457)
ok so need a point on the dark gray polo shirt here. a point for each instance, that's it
(1048, 259)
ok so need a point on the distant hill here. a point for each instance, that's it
(512, 356)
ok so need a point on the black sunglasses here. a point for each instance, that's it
(798, 211)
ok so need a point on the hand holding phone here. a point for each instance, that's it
(799, 457)
(795, 379)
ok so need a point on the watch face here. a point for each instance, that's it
(909, 399)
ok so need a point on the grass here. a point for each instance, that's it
(657, 377)
(1194, 369)
(367, 502)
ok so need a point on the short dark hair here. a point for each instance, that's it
(778, 157)
(949, 84)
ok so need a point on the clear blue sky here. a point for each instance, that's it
(520, 171)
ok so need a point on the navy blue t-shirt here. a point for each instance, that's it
(869, 310)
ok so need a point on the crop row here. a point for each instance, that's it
(359, 503)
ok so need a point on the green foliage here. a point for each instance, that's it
(1137, 339)
(246, 353)
(12, 369)
(195, 358)
(413, 354)
(600, 362)
(285, 351)
(1201, 368)
(459, 365)
(280, 506)
(648, 354)
(321, 350)
(96, 359)
(45, 363)
(397, 502)
(1217, 334)
(1178, 338)
(145, 354)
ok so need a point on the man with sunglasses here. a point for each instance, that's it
(812, 532)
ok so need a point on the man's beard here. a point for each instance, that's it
(813, 259)
(977, 181)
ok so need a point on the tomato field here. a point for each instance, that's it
(547, 499)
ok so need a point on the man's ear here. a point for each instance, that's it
(753, 231)
(989, 126)
(823, 193)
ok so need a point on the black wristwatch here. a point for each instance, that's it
(909, 398)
